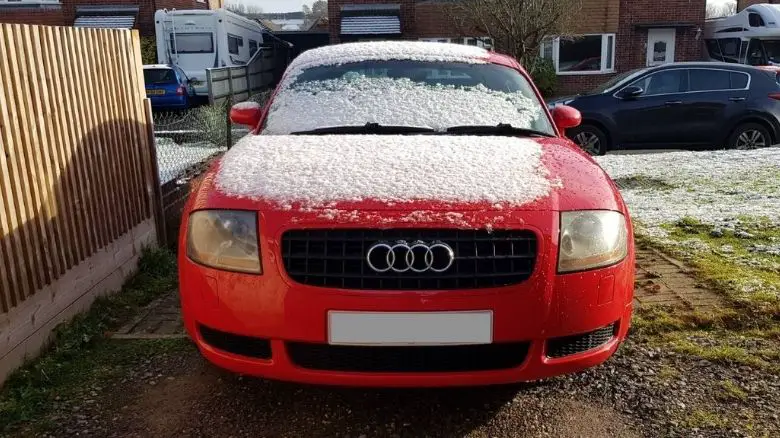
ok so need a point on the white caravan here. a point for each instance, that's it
(195, 40)
(750, 37)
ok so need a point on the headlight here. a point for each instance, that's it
(224, 239)
(591, 239)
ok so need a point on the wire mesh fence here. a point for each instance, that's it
(187, 142)
(188, 138)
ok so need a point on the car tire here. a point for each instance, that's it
(590, 138)
(749, 136)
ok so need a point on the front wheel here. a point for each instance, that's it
(590, 138)
(749, 136)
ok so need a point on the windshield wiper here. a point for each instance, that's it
(368, 128)
(500, 129)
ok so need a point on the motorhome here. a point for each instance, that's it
(195, 40)
(750, 37)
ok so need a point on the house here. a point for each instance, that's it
(612, 36)
(121, 14)
(742, 4)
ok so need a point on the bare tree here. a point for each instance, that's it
(318, 9)
(243, 9)
(517, 27)
(715, 10)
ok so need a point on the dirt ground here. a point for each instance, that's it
(689, 385)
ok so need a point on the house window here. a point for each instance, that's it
(234, 42)
(584, 54)
(484, 42)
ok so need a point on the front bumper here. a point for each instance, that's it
(271, 308)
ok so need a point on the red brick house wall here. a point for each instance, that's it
(742, 4)
(65, 13)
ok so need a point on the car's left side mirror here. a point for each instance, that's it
(566, 117)
(246, 113)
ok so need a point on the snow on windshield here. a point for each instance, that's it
(317, 171)
(359, 99)
(384, 51)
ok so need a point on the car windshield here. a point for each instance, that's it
(606, 86)
(435, 95)
(772, 50)
(159, 76)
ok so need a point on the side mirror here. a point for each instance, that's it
(246, 113)
(566, 117)
(631, 92)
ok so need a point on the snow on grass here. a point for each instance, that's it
(385, 51)
(714, 187)
(395, 102)
(719, 210)
(317, 171)
(173, 158)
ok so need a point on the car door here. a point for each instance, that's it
(655, 117)
(715, 94)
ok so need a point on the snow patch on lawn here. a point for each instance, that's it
(319, 171)
(714, 187)
(386, 101)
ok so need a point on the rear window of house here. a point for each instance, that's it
(159, 76)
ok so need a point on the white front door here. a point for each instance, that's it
(660, 46)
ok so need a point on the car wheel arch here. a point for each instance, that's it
(603, 127)
(754, 118)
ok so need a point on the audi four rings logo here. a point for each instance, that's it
(417, 257)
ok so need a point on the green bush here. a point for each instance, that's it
(542, 71)
(148, 50)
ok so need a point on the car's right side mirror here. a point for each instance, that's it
(631, 92)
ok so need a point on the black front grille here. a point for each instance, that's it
(236, 344)
(337, 258)
(560, 347)
(418, 359)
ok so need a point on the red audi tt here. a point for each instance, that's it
(406, 214)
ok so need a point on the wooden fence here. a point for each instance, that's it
(237, 84)
(77, 174)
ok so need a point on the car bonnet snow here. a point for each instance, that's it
(320, 171)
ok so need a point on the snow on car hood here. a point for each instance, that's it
(359, 100)
(322, 171)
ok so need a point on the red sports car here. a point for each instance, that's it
(406, 214)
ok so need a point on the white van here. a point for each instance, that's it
(195, 40)
(750, 37)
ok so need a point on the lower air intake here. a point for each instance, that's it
(566, 346)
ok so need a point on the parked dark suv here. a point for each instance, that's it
(680, 105)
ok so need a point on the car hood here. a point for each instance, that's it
(436, 178)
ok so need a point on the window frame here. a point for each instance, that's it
(484, 42)
(239, 43)
(746, 88)
(608, 43)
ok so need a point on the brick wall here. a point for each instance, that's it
(742, 4)
(631, 43)
(65, 13)
(598, 16)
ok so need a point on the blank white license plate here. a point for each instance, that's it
(410, 328)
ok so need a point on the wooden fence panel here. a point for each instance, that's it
(75, 162)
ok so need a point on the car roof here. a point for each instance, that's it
(396, 50)
(703, 64)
